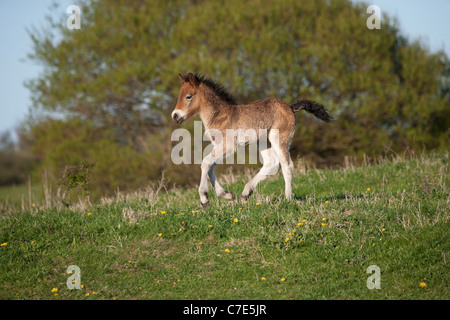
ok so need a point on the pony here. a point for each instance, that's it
(271, 119)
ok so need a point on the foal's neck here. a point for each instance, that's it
(211, 106)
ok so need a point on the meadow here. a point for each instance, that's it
(159, 243)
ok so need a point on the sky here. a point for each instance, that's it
(427, 20)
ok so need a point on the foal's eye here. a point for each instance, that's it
(189, 96)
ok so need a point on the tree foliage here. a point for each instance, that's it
(119, 73)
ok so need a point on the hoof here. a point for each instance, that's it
(229, 196)
(245, 197)
(205, 205)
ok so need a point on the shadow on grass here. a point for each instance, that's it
(339, 196)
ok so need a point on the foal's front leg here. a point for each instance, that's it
(220, 191)
(203, 187)
(208, 163)
(207, 166)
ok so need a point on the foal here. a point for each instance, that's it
(271, 119)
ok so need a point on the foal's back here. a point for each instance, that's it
(262, 114)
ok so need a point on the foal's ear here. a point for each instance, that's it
(193, 79)
(181, 77)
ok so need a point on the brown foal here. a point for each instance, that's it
(270, 119)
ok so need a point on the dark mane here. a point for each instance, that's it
(221, 92)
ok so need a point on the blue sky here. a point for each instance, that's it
(427, 20)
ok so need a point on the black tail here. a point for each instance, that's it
(312, 107)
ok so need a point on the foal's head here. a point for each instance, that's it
(188, 102)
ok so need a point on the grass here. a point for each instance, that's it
(161, 245)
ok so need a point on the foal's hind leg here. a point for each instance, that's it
(270, 167)
(287, 166)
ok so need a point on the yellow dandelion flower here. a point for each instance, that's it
(346, 260)
(299, 224)
(33, 242)
(87, 294)
(227, 250)
(324, 224)
(286, 240)
(368, 189)
(89, 213)
(162, 212)
(303, 220)
(209, 226)
(323, 219)
(200, 242)
(129, 261)
(423, 284)
(282, 279)
(257, 203)
(235, 220)
(159, 234)
(263, 279)
(293, 231)
(383, 229)
(4, 244)
(54, 290)
(82, 286)
(326, 201)
(244, 202)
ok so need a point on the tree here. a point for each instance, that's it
(120, 70)
(15, 163)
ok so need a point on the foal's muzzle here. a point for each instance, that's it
(177, 117)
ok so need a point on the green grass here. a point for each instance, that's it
(128, 248)
(19, 196)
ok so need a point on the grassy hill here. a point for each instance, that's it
(158, 244)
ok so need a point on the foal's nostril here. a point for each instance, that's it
(177, 117)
